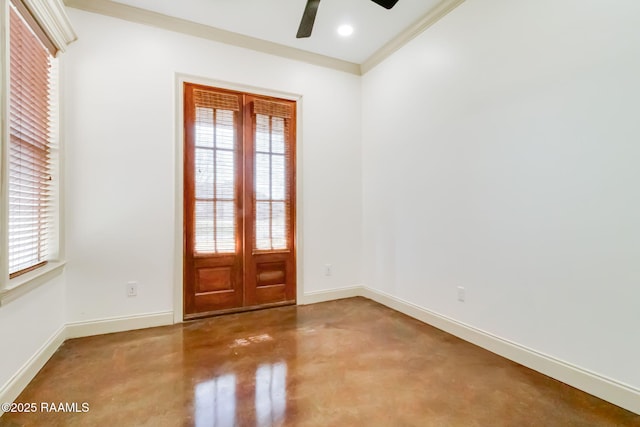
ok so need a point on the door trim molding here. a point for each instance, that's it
(180, 79)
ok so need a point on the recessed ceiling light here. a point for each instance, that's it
(345, 30)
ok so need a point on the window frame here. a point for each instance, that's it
(52, 22)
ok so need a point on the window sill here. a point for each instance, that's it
(29, 281)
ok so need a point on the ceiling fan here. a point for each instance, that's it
(310, 10)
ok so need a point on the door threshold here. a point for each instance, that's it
(195, 316)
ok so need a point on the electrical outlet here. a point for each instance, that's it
(327, 269)
(132, 289)
(462, 294)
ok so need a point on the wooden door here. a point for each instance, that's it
(213, 255)
(239, 204)
(270, 272)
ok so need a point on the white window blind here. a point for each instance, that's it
(32, 92)
(271, 188)
(215, 172)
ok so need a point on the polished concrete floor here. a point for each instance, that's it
(342, 363)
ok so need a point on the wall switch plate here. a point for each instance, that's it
(461, 294)
(132, 289)
(327, 269)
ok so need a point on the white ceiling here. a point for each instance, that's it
(277, 21)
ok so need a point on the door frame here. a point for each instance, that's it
(178, 279)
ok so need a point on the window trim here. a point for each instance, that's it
(51, 17)
(26, 282)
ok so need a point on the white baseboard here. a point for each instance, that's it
(12, 389)
(330, 295)
(118, 324)
(612, 391)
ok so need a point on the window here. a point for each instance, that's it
(272, 121)
(29, 139)
(31, 144)
(215, 172)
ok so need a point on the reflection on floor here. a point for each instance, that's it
(216, 401)
(342, 363)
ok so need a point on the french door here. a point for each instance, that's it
(239, 201)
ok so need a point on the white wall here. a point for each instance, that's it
(27, 324)
(500, 153)
(121, 172)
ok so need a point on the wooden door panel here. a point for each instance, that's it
(270, 273)
(217, 283)
(213, 257)
(214, 279)
(274, 278)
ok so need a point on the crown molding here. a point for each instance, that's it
(52, 18)
(159, 20)
(417, 28)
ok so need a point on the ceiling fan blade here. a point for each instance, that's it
(308, 18)
(387, 4)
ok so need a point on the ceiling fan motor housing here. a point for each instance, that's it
(311, 9)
